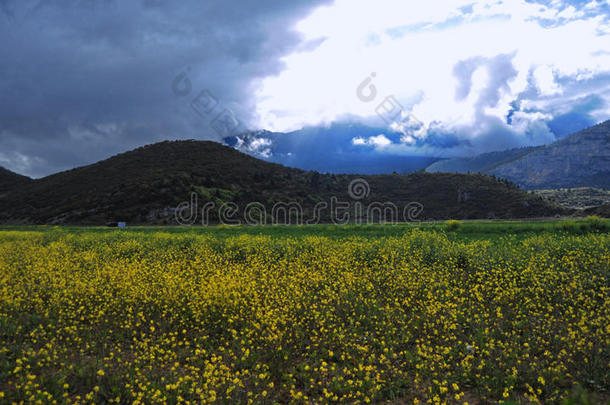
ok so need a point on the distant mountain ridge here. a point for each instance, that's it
(146, 185)
(484, 163)
(329, 149)
(578, 160)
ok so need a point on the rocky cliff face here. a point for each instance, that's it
(582, 159)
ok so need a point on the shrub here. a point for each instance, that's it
(453, 225)
(595, 223)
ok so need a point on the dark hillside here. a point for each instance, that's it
(10, 180)
(146, 184)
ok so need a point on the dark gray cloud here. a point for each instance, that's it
(83, 79)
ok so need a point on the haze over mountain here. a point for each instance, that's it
(331, 149)
(484, 163)
(147, 184)
(578, 160)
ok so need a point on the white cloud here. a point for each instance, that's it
(545, 81)
(378, 141)
(415, 50)
(260, 147)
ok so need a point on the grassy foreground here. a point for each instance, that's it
(514, 312)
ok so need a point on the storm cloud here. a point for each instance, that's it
(82, 79)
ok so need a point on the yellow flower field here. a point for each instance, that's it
(152, 317)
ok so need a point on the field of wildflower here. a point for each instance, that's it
(160, 316)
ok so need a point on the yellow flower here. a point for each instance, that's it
(238, 312)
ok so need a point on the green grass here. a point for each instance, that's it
(465, 231)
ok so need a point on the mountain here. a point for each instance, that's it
(485, 163)
(579, 160)
(330, 149)
(147, 184)
(10, 180)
